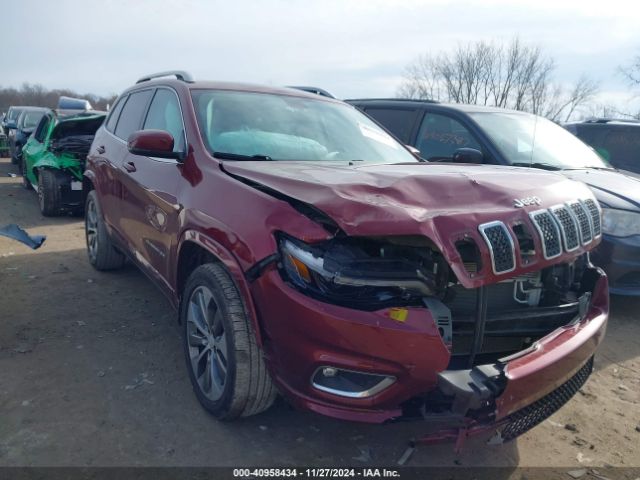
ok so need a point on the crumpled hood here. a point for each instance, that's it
(615, 188)
(393, 199)
(444, 202)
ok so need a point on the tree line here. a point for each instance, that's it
(510, 75)
(38, 96)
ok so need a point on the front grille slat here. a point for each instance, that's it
(594, 211)
(501, 246)
(568, 227)
(584, 222)
(549, 233)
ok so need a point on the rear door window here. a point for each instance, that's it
(131, 117)
(164, 114)
(440, 136)
(399, 121)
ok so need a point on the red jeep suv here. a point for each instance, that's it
(309, 253)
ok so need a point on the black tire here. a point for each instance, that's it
(14, 156)
(23, 169)
(247, 388)
(49, 193)
(102, 254)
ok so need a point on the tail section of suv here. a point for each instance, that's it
(308, 251)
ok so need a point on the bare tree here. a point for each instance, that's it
(38, 96)
(512, 75)
(632, 71)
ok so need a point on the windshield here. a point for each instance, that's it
(247, 125)
(529, 140)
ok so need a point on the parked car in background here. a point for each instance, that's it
(617, 141)
(476, 134)
(53, 159)
(4, 145)
(25, 125)
(10, 119)
(305, 248)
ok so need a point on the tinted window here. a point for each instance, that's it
(164, 114)
(398, 121)
(41, 129)
(440, 136)
(115, 113)
(131, 117)
(619, 145)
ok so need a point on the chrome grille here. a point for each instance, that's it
(584, 222)
(549, 233)
(501, 247)
(594, 211)
(568, 227)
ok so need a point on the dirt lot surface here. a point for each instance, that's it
(92, 374)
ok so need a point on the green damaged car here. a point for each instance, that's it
(53, 159)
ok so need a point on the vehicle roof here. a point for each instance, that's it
(90, 115)
(607, 121)
(461, 107)
(35, 109)
(237, 86)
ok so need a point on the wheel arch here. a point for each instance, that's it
(195, 249)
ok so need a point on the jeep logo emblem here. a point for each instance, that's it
(523, 202)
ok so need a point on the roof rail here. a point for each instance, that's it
(390, 99)
(316, 90)
(179, 74)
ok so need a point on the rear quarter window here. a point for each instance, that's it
(132, 112)
(115, 113)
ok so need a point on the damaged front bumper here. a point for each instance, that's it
(305, 336)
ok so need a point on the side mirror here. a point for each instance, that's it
(153, 143)
(11, 124)
(467, 155)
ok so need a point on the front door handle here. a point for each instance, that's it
(130, 167)
(101, 149)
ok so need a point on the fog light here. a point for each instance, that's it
(347, 383)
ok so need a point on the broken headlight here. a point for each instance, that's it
(366, 274)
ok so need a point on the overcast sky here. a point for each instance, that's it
(351, 48)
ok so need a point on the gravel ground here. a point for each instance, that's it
(92, 374)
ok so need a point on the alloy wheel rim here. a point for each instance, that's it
(92, 229)
(207, 343)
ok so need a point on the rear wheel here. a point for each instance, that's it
(23, 169)
(102, 254)
(225, 365)
(49, 193)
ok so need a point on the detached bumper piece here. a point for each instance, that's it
(525, 419)
(478, 392)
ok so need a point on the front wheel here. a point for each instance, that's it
(102, 254)
(225, 365)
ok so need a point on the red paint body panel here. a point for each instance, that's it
(558, 357)
(162, 207)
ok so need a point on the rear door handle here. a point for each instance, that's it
(130, 167)
(101, 149)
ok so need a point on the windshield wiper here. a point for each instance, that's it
(237, 156)
(545, 166)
